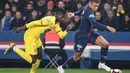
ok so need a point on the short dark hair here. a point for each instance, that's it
(96, 1)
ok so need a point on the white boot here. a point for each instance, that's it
(103, 66)
(60, 69)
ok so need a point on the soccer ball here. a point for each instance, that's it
(116, 71)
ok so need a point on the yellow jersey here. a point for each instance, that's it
(38, 27)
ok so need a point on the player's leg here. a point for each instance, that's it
(20, 52)
(38, 60)
(38, 56)
(99, 40)
(80, 44)
(104, 51)
(72, 60)
(30, 49)
(69, 62)
(63, 54)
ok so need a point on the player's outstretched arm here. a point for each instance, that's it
(33, 23)
(93, 21)
(71, 14)
(37, 22)
(101, 26)
(79, 12)
(61, 33)
(20, 28)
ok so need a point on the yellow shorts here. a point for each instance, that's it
(31, 43)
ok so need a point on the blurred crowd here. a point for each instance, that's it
(16, 13)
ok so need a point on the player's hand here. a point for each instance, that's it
(111, 29)
(70, 15)
(70, 26)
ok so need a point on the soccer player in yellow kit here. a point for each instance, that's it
(33, 44)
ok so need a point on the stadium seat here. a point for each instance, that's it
(52, 56)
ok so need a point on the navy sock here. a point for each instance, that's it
(104, 52)
(68, 63)
(102, 59)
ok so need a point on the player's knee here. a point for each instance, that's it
(106, 45)
(39, 55)
(34, 61)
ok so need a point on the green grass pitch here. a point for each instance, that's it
(41, 70)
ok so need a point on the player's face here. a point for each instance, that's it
(94, 6)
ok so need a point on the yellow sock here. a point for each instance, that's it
(24, 55)
(35, 66)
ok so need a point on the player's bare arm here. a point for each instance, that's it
(20, 28)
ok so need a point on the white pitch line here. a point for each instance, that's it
(70, 47)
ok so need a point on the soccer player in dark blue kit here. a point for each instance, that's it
(85, 35)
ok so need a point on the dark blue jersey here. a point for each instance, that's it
(88, 20)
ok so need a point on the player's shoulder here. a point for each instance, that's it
(49, 18)
(87, 11)
(90, 12)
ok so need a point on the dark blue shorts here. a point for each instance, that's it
(82, 41)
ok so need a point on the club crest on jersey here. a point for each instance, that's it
(48, 20)
(91, 15)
